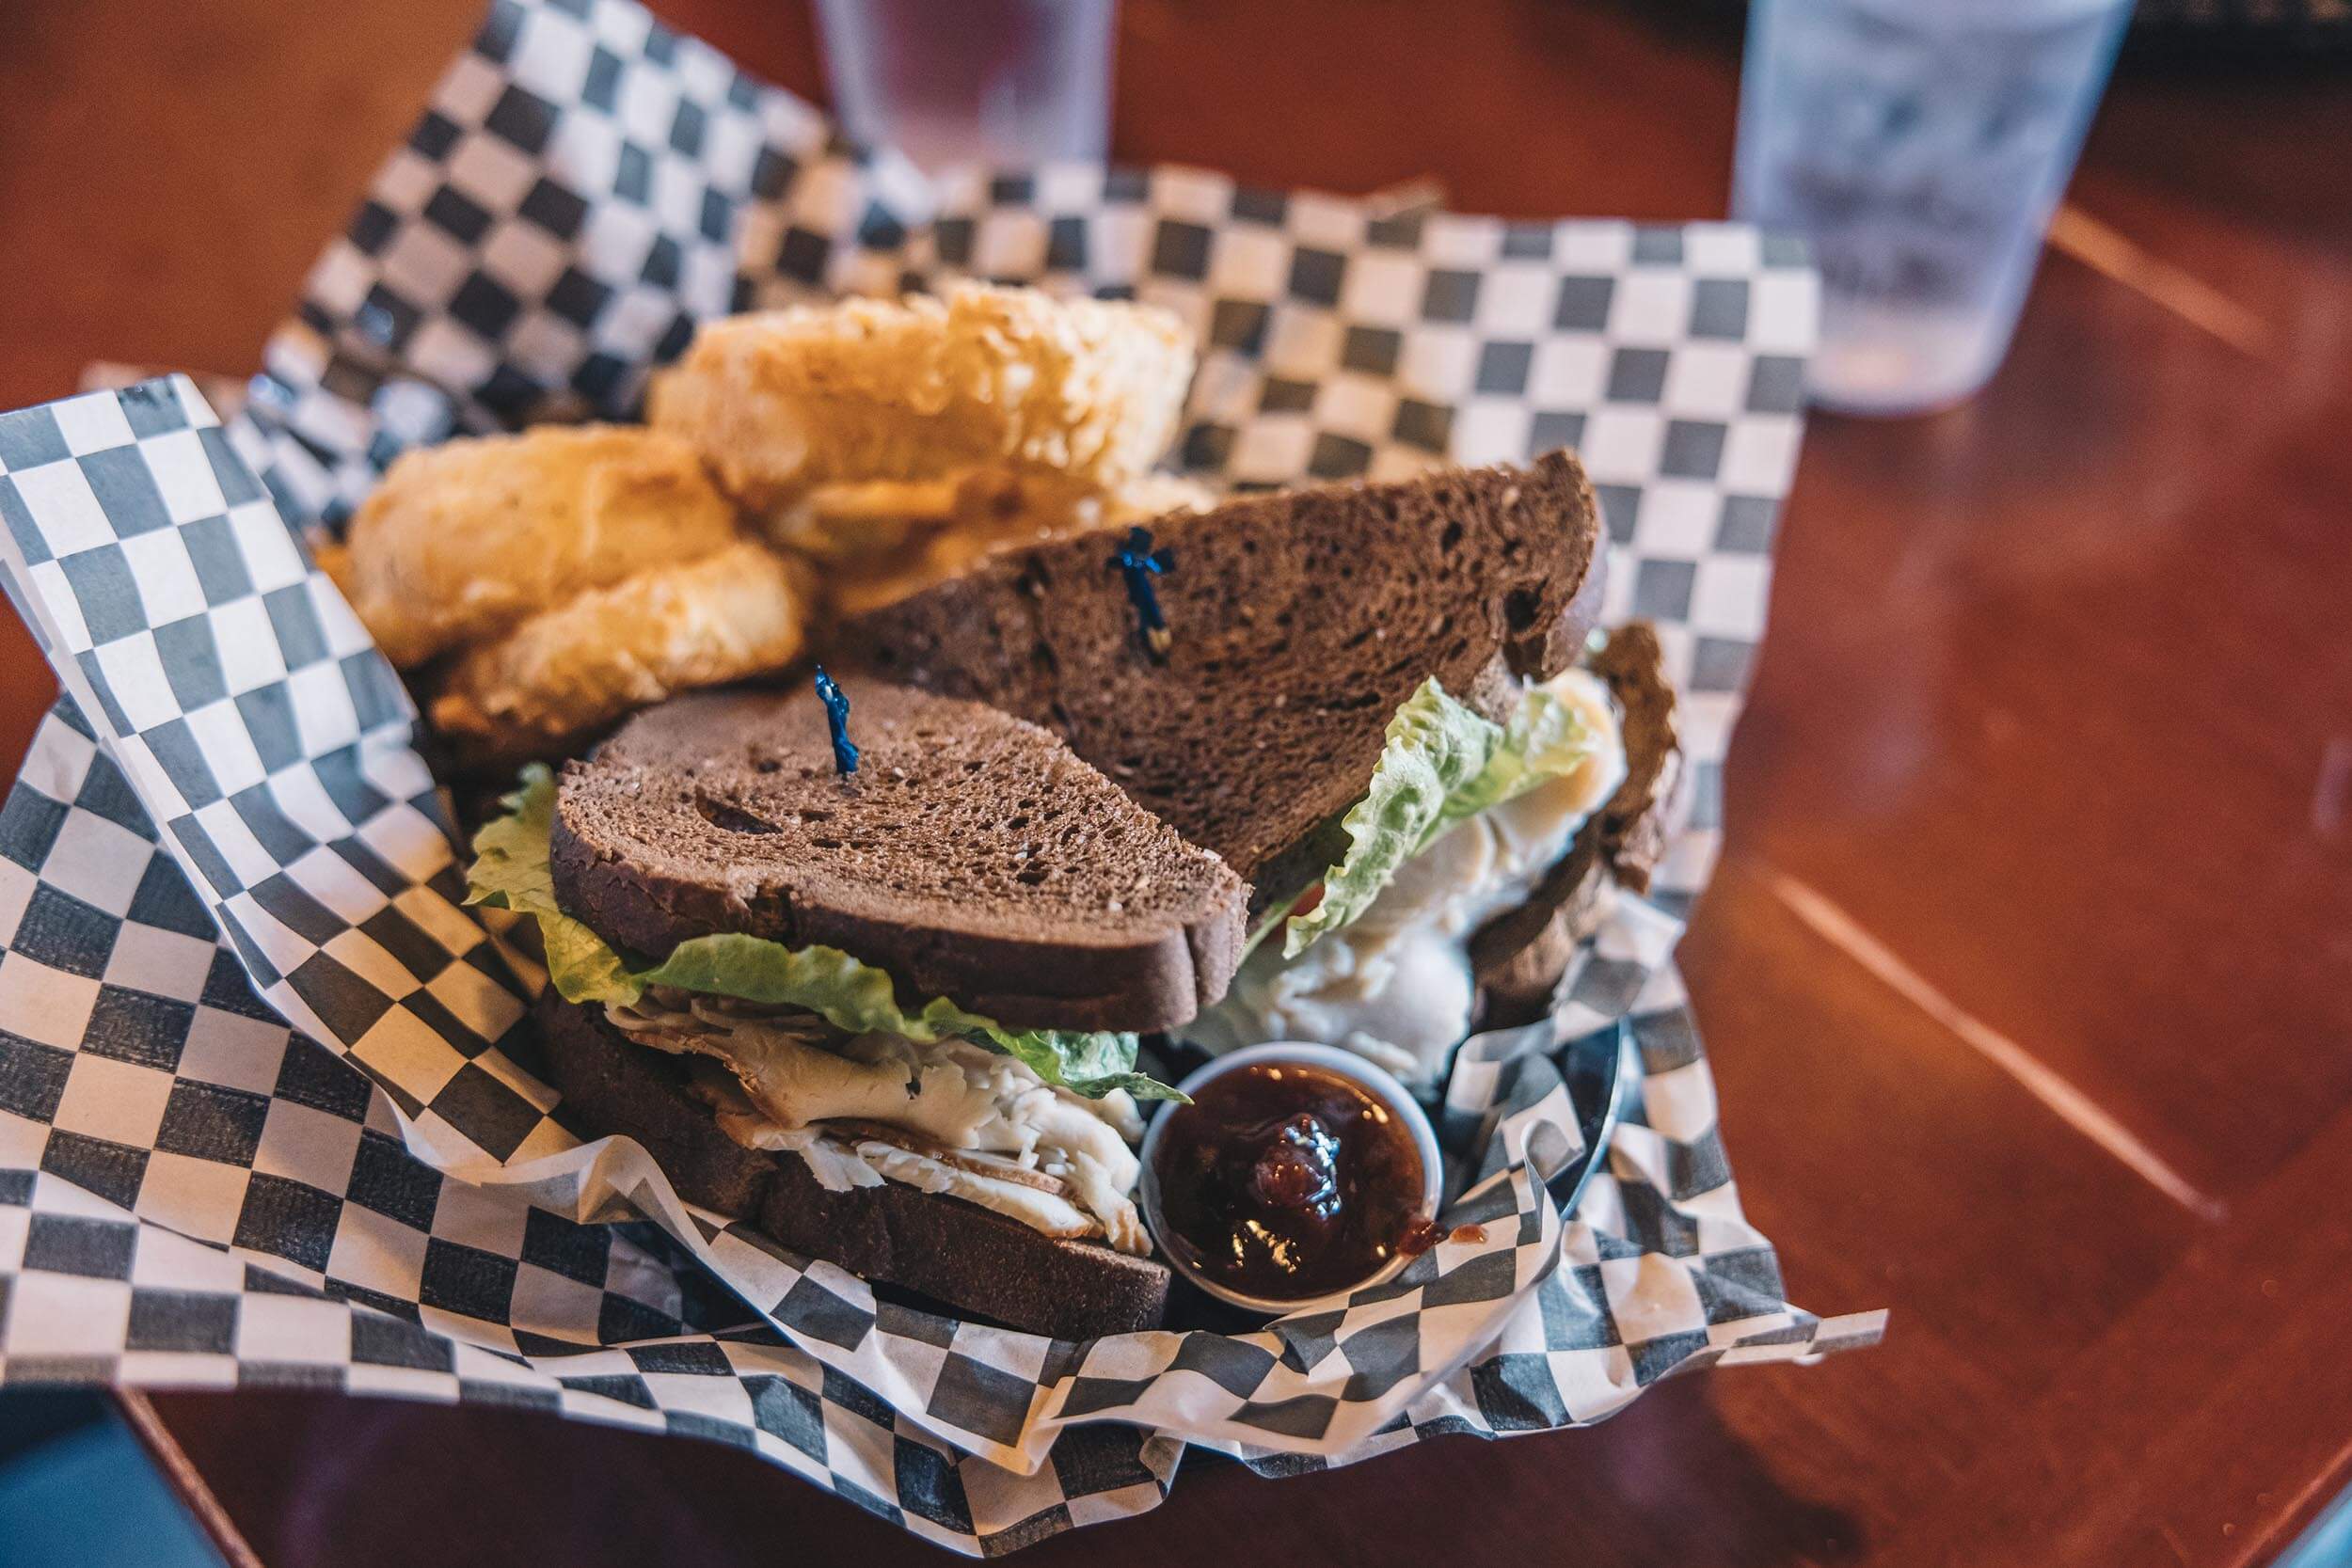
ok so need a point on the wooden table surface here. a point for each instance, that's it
(2028, 972)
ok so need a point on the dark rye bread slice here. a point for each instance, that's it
(953, 1251)
(1300, 622)
(610, 1085)
(1520, 954)
(967, 1255)
(970, 856)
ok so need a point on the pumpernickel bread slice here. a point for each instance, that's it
(956, 1252)
(612, 1084)
(967, 1255)
(1299, 623)
(970, 855)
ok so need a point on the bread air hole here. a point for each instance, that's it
(732, 818)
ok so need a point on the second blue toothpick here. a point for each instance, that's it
(1139, 563)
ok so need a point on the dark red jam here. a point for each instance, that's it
(1288, 1182)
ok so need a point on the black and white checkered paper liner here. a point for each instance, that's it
(224, 829)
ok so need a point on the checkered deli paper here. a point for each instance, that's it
(268, 1110)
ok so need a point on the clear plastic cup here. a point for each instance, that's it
(1001, 83)
(1919, 147)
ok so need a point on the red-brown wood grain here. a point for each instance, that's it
(2045, 791)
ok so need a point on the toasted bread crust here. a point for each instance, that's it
(970, 856)
(1634, 823)
(1519, 955)
(961, 1254)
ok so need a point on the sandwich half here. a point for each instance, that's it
(1298, 623)
(887, 1014)
(1370, 702)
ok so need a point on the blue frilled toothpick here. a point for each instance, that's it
(837, 719)
(1139, 564)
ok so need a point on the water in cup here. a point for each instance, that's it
(1920, 147)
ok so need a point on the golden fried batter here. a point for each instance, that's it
(607, 650)
(927, 388)
(873, 548)
(462, 541)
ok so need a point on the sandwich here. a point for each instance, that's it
(1366, 699)
(1347, 764)
(890, 1016)
(887, 1016)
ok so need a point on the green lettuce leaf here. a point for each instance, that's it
(1443, 763)
(511, 872)
(510, 868)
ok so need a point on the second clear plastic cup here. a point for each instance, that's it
(1920, 148)
(999, 83)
